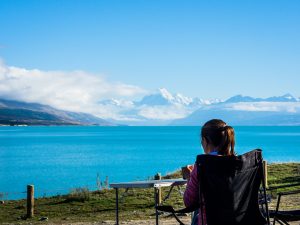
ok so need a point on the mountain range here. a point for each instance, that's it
(22, 113)
(165, 108)
(161, 108)
(245, 110)
(283, 98)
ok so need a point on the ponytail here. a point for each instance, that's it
(227, 145)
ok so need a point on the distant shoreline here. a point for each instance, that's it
(122, 125)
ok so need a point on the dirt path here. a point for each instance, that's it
(131, 222)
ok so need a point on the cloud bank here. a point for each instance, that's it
(74, 91)
(290, 107)
(80, 91)
(164, 112)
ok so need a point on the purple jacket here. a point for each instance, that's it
(191, 194)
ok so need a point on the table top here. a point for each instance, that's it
(149, 183)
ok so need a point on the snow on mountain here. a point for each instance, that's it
(183, 100)
(166, 94)
(284, 103)
(246, 110)
(158, 106)
(162, 106)
(240, 118)
(164, 97)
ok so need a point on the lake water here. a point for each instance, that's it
(56, 159)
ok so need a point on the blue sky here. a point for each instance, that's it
(208, 49)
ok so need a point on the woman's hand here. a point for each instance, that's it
(186, 171)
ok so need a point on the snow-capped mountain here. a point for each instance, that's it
(158, 107)
(163, 107)
(283, 98)
(246, 110)
(164, 97)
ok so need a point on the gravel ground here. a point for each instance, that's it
(144, 222)
(131, 222)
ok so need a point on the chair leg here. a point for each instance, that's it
(265, 197)
(281, 223)
(286, 223)
(178, 220)
(276, 211)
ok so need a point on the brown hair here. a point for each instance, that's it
(217, 133)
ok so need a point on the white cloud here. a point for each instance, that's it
(75, 91)
(291, 107)
(80, 91)
(164, 112)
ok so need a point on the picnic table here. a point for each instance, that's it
(155, 184)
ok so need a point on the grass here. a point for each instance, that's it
(84, 206)
(284, 174)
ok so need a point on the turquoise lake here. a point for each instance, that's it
(57, 159)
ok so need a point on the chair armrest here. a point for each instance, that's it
(289, 192)
(282, 186)
(165, 208)
(291, 215)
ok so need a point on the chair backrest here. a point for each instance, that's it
(229, 188)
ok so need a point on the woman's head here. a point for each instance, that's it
(216, 135)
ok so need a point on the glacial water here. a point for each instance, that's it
(57, 159)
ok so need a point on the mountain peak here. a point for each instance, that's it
(288, 96)
(241, 98)
(164, 97)
(161, 97)
(165, 94)
(284, 98)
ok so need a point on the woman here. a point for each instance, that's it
(217, 138)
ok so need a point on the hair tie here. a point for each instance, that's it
(222, 128)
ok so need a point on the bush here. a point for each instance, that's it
(78, 195)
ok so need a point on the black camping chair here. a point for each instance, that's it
(283, 217)
(229, 186)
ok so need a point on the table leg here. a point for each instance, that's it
(117, 206)
(156, 204)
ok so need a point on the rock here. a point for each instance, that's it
(43, 218)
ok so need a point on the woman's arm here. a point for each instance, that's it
(191, 194)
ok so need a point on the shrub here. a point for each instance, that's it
(78, 195)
